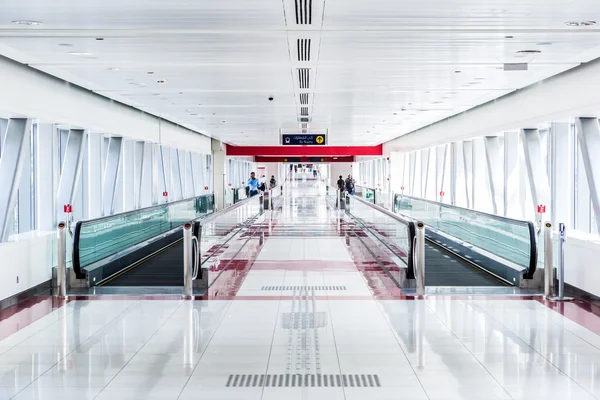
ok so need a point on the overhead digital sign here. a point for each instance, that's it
(303, 140)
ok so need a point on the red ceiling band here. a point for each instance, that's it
(304, 160)
(304, 151)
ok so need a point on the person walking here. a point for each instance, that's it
(253, 185)
(341, 184)
(350, 185)
(272, 182)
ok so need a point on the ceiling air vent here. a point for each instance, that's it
(515, 66)
(303, 110)
(303, 98)
(304, 120)
(304, 130)
(303, 12)
(304, 49)
(304, 126)
(304, 77)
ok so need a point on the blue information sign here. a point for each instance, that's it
(303, 140)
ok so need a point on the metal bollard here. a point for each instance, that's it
(61, 267)
(347, 239)
(261, 238)
(188, 261)
(548, 267)
(561, 265)
(420, 252)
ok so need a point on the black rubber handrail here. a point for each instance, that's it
(410, 226)
(530, 225)
(76, 264)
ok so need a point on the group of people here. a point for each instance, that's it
(255, 185)
(347, 185)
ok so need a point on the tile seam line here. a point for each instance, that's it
(387, 321)
(72, 351)
(29, 324)
(337, 353)
(262, 392)
(537, 352)
(181, 302)
(470, 352)
(206, 347)
(543, 301)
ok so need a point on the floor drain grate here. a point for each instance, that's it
(289, 288)
(303, 380)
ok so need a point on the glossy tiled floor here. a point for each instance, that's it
(303, 324)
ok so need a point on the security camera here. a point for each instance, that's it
(271, 98)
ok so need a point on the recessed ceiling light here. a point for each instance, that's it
(99, 38)
(587, 23)
(509, 37)
(150, 73)
(65, 45)
(572, 23)
(113, 69)
(395, 113)
(457, 72)
(161, 81)
(223, 121)
(26, 22)
(80, 53)
(528, 52)
(544, 44)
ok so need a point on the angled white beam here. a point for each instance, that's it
(45, 152)
(512, 176)
(588, 132)
(71, 169)
(412, 174)
(94, 174)
(560, 178)
(440, 171)
(425, 173)
(25, 208)
(190, 190)
(176, 176)
(138, 165)
(128, 175)
(17, 138)
(536, 169)
(468, 168)
(164, 172)
(495, 169)
(111, 171)
(146, 186)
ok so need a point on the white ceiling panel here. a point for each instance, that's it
(366, 72)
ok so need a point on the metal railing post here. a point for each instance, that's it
(339, 197)
(61, 267)
(561, 264)
(271, 199)
(188, 261)
(548, 267)
(420, 251)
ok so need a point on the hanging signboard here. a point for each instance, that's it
(304, 140)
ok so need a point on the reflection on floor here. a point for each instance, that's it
(302, 323)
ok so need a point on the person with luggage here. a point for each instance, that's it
(350, 185)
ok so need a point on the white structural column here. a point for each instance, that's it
(494, 168)
(111, 171)
(129, 174)
(512, 176)
(165, 171)
(468, 168)
(176, 176)
(218, 168)
(16, 139)
(536, 169)
(71, 169)
(94, 174)
(45, 152)
(426, 174)
(157, 178)
(440, 171)
(207, 166)
(479, 188)
(588, 132)
(412, 173)
(560, 179)
(25, 208)
(138, 169)
(146, 189)
(190, 189)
